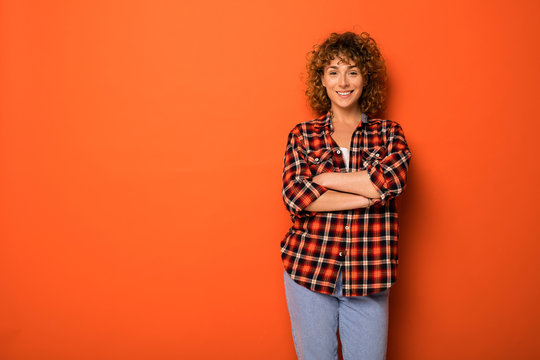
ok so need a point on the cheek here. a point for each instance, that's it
(360, 90)
(327, 91)
(328, 82)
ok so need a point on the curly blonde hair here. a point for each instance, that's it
(350, 47)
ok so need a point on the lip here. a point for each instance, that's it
(345, 96)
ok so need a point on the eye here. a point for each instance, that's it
(354, 73)
(332, 73)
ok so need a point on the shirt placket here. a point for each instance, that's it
(330, 143)
(345, 246)
(343, 255)
(353, 153)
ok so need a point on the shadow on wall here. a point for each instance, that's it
(402, 296)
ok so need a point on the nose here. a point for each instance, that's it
(344, 81)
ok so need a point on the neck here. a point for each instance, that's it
(351, 116)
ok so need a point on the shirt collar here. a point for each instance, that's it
(326, 121)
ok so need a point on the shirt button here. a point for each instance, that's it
(377, 155)
(316, 159)
(340, 253)
(347, 227)
(338, 152)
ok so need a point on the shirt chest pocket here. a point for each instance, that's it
(373, 155)
(320, 161)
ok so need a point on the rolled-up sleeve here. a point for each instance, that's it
(298, 188)
(389, 174)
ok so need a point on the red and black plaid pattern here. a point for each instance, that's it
(362, 242)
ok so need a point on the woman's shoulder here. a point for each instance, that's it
(315, 125)
(383, 123)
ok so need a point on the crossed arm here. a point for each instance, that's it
(382, 180)
(346, 191)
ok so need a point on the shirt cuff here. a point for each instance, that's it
(377, 179)
(312, 191)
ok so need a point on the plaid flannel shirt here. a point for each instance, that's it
(362, 243)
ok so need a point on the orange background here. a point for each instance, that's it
(141, 153)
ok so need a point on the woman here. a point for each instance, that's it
(342, 173)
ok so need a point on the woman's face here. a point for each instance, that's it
(343, 83)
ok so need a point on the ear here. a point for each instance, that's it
(322, 80)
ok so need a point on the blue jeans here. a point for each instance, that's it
(362, 321)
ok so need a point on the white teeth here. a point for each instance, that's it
(344, 93)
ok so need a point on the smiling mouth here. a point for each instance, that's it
(344, 93)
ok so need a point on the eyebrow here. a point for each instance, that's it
(337, 67)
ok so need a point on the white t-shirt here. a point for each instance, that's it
(345, 152)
